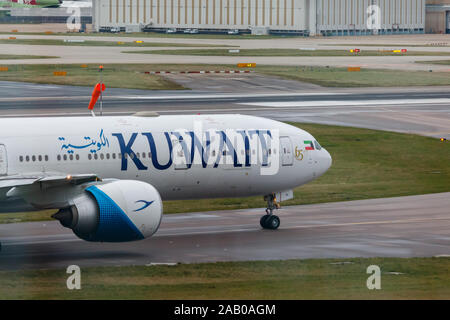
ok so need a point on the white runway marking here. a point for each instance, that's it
(329, 103)
(28, 86)
(220, 96)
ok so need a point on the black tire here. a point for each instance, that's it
(273, 222)
(263, 220)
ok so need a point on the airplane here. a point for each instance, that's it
(30, 4)
(108, 175)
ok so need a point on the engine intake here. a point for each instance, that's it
(118, 211)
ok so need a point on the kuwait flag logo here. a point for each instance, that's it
(308, 145)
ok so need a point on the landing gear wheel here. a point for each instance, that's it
(270, 222)
(263, 220)
(273, 222)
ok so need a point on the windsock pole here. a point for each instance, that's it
(96, 93)
(101, 92)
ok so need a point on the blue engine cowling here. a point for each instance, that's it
(119, 211)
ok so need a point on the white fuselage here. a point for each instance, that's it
(158, 150)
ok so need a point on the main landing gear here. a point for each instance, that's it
(269, 220)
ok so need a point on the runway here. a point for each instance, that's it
(417, 226)
(423, 111)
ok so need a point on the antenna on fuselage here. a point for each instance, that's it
(98, 92)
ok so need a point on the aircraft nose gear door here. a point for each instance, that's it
(287, 158)
(3, 161)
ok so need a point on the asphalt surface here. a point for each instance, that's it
(423, 111)
(417, 226)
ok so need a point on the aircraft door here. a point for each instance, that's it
(178, 156)
(287, 158)
(3, 160)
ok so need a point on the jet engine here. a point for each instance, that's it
(119, 211)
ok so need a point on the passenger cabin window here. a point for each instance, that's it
(35, 158)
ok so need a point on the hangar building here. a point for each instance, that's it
(438, 16)
(307, 17)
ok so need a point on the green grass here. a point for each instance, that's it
(114, 76)
(420, 278)
(366, 164)
(91, 43)
(133, 76)
(31, 216)
(286, 52)
(341, 77)
(23, 56)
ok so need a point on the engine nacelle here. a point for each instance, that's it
(119, 211)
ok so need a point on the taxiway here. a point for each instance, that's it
(415, 226)
(419, 110)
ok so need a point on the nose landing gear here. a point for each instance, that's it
(269, 220)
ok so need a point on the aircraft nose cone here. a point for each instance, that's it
(328, 160)
(325, 161)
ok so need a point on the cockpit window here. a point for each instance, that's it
(317, 145)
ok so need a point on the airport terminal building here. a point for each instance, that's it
(301, 17)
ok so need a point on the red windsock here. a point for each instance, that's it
(95, 94)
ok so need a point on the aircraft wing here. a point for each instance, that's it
(45, 179)
(21, 186)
